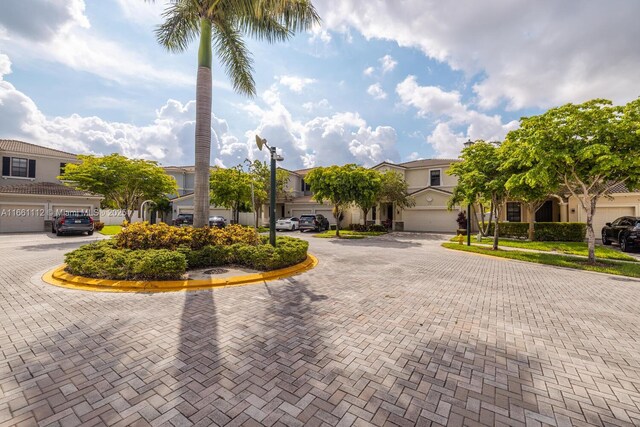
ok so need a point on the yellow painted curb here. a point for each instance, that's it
(59, 277)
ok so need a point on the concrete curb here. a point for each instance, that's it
(58, 277)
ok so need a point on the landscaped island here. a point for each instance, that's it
(162, 252)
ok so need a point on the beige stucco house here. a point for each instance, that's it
(30, 192)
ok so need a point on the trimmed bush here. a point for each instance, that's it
(370, 227)
(514, 230)
(142, 235)
(103, 260)
(98, 225)
(544, 231)
(560, 231)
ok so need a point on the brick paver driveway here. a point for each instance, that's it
(391, 330)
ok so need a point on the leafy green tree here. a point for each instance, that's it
(342, 186)
(223, 23)
(532, 191)
(261, 175)
(371, 196)
(124, 182)
(589, 148)
(395, 190)
(231, 189)
(479, 180)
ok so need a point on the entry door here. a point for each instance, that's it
(390, 211)
(545, 213)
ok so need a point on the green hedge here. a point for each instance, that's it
(104, 260)
(544, 231)
(379, 228)
(560, 231)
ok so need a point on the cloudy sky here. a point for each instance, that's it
(378, 80)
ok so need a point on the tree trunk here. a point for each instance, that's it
(203, 128)
(257, 212)
(532, 213)
(366, 212)
(496, 228)
(337, 214)
(591, 236)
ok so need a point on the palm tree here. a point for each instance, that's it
(222, 24)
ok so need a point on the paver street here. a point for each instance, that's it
(393, 330)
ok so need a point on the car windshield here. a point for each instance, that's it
(216, 218)
(308, 217)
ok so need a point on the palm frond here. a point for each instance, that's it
(234, 55)
(180, 26)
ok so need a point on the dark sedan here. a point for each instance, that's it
(72, 223)
(313, 222)
(217, 221)
(624, 230)
(183, 219)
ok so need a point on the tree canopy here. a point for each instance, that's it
(124, 182)
(230, 188)
(589, 148)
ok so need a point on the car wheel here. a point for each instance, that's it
(89, 233)
(58, 233)
(605, 241)
(624, 247)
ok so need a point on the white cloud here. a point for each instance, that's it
(414, 155)
(341, 138)
(376, 91)
(317, 33)
(142, 12)
(387, 63)
(433, 102)
(5, 65)
(323, 104)
(295, 83)
(60, 32)
(529, 54)
(368, 71)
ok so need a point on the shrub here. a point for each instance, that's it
(544, 231)
(98, 225)
(370, 227)
(104, 260)
(462, 220)
(208, 256)
(560, 231)
(288, 251)
(514, 230)
(142, 235)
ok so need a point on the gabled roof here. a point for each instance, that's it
(46, 189)
(428, 163)
(22, 147)
(385, 163)
(439, 190)
(303, 172)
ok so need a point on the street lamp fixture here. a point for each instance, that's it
(275, 157)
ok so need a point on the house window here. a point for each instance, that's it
(513, 212)
(62, 165)
(18, 167)
(304, 186)
(434, 178)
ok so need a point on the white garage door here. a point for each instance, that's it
(21, 219)
(437, 220)
(609, 214)
(63, 209)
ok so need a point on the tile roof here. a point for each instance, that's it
(35, 150)
(427, 163)
(619, 188)
(45, 189)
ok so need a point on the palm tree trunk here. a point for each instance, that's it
(203, 128)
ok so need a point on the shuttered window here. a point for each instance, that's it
(18, 167)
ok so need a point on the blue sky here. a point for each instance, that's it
(376, 81)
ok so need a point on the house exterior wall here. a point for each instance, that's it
(47, 168)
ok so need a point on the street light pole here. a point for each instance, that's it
(260, 142)
(468, 144)
(272, 199)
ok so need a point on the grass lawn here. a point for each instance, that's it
(110, 230)
(569, 248)
(348, 234)
(603, 266)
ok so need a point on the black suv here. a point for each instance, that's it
(183, 219)
(624, 230)
(71, 223)
(313, 222)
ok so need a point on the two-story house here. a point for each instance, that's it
(30, 192)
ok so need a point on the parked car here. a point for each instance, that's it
(624, 230)
(217, 221)
(290, 224)
(315, 222)
(72, 223)
(183, 219)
